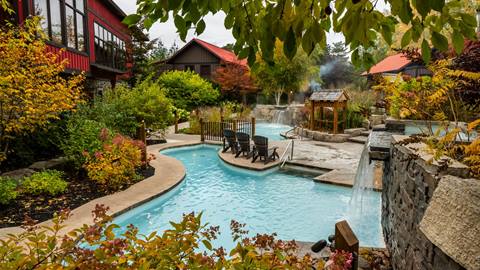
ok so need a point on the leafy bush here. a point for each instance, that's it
(8, 190)
(122, 109)
(187, 89)
(46, 182)
(41, 144)
(82, 137)
(114, 166)
(180, 247)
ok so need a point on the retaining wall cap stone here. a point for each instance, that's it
(452, 220)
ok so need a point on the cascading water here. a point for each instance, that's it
(361, 204)
(364, 178)
(280, 117)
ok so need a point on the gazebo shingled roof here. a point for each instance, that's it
(330, 95)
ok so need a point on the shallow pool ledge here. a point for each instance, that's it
(259, 165)
(169, 172)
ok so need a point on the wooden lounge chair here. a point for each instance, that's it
(244, 144)
(261, 150)
(229, 141)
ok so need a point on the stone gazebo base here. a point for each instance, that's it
(328, 137)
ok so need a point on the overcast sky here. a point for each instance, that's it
(214, 33)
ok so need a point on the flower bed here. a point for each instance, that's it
(42, 207)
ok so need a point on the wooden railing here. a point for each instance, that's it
(213, 131)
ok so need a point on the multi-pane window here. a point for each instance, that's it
(63, 21)
(109, 49)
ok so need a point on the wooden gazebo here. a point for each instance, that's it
(328, 98)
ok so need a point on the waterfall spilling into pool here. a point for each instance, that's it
(280, 117)
(364, 181)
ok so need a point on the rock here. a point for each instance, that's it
(48, 164)
(354, 131)
(363, 264)
(19, 174)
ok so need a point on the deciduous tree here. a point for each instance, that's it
(284, 75)
(235, 78)
(32, 91)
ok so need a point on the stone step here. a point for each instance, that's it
(365, 133)
(358, 139)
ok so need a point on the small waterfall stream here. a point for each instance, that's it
(364, 180)
(280, 117)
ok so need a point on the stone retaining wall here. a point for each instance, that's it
(409, 183)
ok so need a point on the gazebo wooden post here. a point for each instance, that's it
(335, 119)
(312, 115)
(345, 116)
(321, 118)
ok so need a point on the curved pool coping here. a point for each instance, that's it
(169, 173)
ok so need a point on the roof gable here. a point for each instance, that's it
(393, 63)
(222, 54)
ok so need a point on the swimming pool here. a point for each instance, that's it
(271, 130)
(291, 205)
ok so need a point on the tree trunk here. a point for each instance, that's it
(278, 96)
(244, 98)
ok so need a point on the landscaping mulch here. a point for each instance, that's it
(42, 207)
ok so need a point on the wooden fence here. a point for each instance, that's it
(213, 131)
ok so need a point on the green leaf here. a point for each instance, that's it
(407, 37)
(426, 52)
(207, 244)
(148, 23)
(200, 27)
(458, 42)
(290, 44)
(356, 58)
(180, 24)
(229, 20)
(422, 6)
(437, 4)
(469, 19)
(174, 4)
(132, 19)
(439, 41)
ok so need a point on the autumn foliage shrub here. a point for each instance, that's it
(46, 182)
(33, 91)
(8, 190)
(114, 165)
(186, 245)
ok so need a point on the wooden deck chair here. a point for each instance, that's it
(263, 151)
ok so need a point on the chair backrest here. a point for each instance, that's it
(243, 140)
(229, 135)
(261, 144)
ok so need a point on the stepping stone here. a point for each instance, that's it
(359, 139)
(365, 133)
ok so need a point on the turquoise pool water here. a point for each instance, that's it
(270, 130)
(291, 205)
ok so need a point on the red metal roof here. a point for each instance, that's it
(224, 54)
(392, 64)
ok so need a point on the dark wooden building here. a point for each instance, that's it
(91, 33)
(395, 64)
(201, 57)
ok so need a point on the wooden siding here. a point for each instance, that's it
(76, 61)
(195, 54)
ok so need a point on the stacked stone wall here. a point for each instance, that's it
(409, 183)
